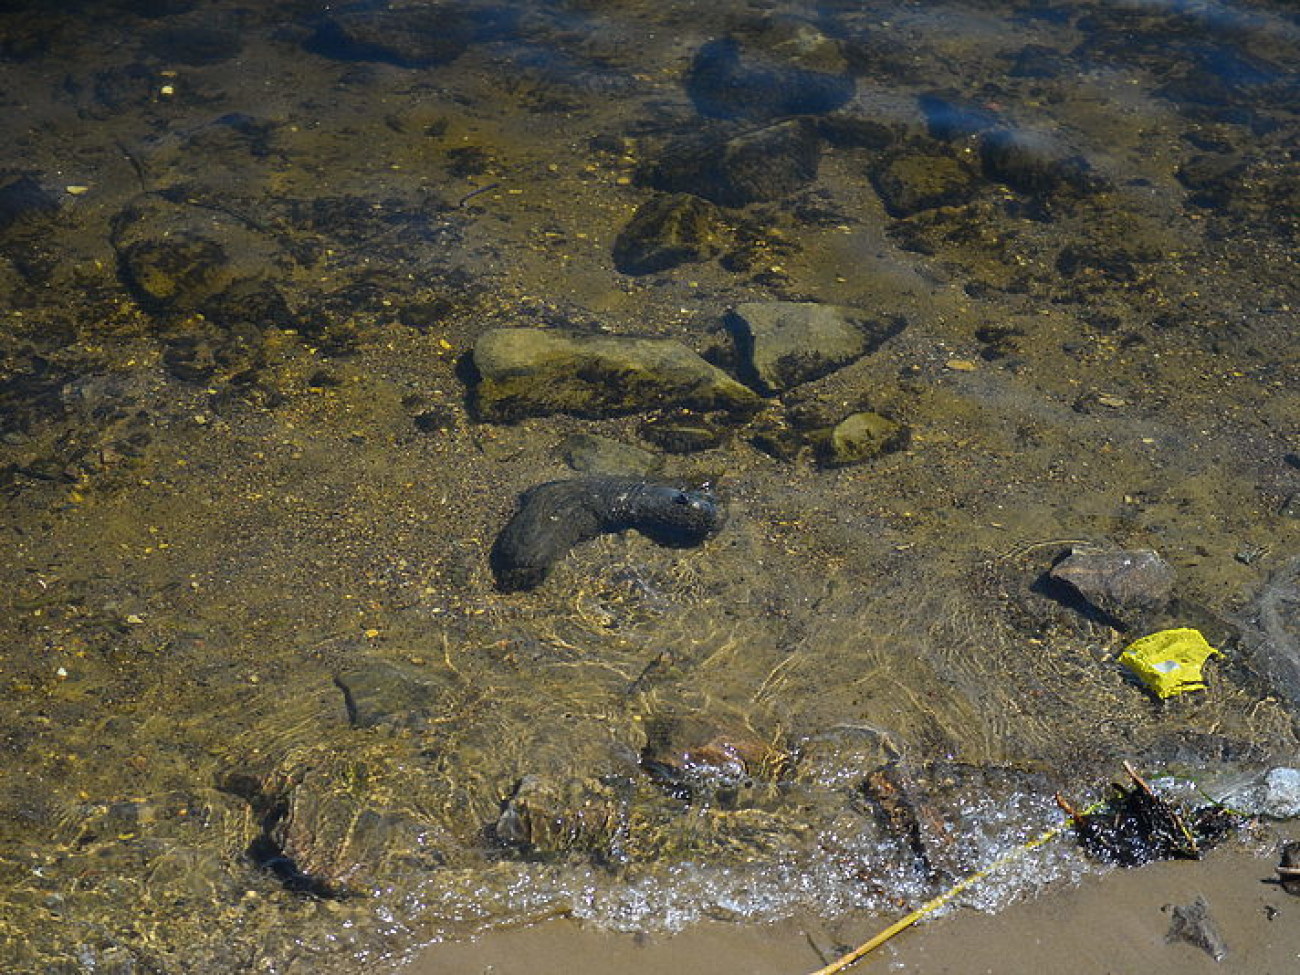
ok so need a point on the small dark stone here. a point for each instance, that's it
(535, 372)
(780, 344)
(438, 419)
(587, 453)
(1212, 180)
(178, 273)
(682, 434)
(1290, 506)
(1036, 61)
(736, 169)
(668, 230)
(850, 132)
(380, 694)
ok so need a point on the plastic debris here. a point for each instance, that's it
(1169, 662)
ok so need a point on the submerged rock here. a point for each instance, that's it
(24, 202)
(545, 815)
(1033, 162)
(587, 453)
(781, 344)
(787, 68)
(695, 754)
(535, 372)
(668, 230)
(738, 168)
(415, 36)
(554, 517)
(912, 183)
(1116, 582)
(860, 437)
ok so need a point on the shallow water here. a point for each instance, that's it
(245, 256)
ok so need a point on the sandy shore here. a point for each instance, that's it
(1113, 922)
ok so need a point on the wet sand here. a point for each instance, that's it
(1112, 921)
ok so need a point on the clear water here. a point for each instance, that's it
(245, 253)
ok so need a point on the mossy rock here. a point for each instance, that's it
(910, 184)
(536, 372)
(668, 230)
(859, 437)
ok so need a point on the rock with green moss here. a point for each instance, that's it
(535, 372)
(668, 230)
(859, 437)
(910, 184)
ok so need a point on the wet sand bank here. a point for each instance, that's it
(1112, 921)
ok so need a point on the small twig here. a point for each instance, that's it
(473, 193)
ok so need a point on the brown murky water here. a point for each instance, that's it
(266, 708)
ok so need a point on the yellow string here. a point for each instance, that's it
(933, 905)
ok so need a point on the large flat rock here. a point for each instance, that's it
(535, 372)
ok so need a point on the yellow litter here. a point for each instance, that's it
(1169, 662)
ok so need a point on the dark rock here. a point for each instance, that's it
(1275, 646)
(781, 344)
(788, 68)
(1117, 582)
(179, 273)
(778, 439)
(1114, 258)
(554, 517)
(860, 437)
(534, 372)
(1033, 163)
(736, 169)
(323, 835)
(181, 256)
(668, 230)
(841, 757)
(1213, 180)
(194, 45)
(912, 183)
(25, 201)
(852, 132)
(416, 36)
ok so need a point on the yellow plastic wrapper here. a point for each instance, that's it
(1169, 662)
